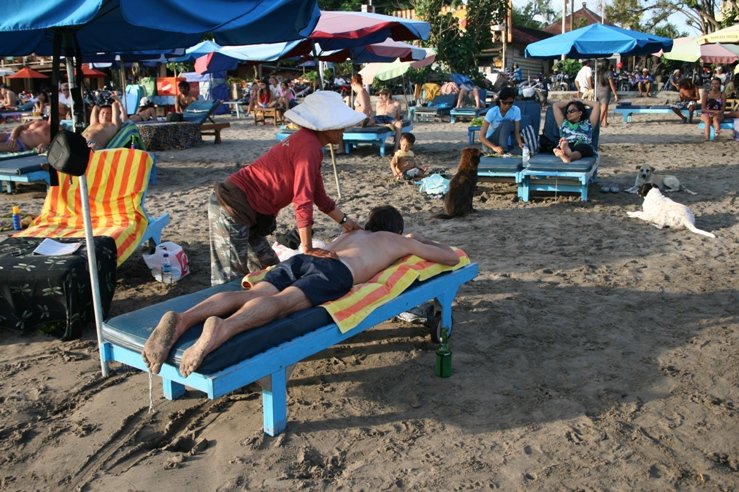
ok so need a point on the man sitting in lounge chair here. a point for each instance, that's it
(105, 121)
(34, 135)
(300, 282)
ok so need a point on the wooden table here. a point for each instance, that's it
(261, 115)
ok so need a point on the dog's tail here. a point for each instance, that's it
(692, 228)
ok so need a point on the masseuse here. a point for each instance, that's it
(243, 208)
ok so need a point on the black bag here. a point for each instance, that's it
(69, 153)
(175, 117)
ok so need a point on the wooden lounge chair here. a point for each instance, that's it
(201, 112)
(268, 351)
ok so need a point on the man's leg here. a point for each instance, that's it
(476, 95)
(256, 312)
(229, 245)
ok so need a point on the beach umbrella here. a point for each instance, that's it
(338, 30)
(598, 41)
(28, 73)
(689, 50)
(90, 72)
(727, 35)
(387, 71)
(386, 51)
(215, 62)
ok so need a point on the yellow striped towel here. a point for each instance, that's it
(349, 310)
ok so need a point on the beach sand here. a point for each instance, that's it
(593, 351)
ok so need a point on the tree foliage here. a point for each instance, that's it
(459, 43)
(536, 14)
(699, 14)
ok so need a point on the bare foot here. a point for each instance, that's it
(193, 357)
(561, 154)
(160, 342)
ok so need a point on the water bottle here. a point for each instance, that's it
(166, 269)
(16, 218)
(526, 155)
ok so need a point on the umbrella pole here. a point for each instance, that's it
(90, 243)
(336, 173)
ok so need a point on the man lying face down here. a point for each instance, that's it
(300, 282)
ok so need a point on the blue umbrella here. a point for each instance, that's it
(130, 25)
(598, 41)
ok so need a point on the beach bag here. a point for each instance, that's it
(531, 139)
(68, 153)
(178, 263)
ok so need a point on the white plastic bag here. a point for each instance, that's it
(436, 184)
(177, 261)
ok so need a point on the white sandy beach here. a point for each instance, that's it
(593, 351)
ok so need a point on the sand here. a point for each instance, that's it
(593, 352)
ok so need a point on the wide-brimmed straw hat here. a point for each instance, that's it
(324, 110)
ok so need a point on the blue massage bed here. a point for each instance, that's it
(26, 168)
(375, 135)
(727, 124)
(626, 110)
(268, 351)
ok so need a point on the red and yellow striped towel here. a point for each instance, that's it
(116, 181)
(349, 310)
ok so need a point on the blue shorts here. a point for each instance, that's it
(320, 279)
(18, 143)
(384, 119)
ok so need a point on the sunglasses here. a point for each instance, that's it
(573, 111)
(506, 102)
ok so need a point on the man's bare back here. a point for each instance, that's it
(367, 253)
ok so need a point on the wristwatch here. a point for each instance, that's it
(344, 219)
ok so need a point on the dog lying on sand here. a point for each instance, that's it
(665, 182)
(458, 200)
(663, 212)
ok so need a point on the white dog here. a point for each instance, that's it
(665, 182)
(663, 212)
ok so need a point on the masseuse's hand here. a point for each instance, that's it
(350, 225)
(321, 253)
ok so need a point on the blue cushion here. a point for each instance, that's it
(499, 164)
(550, 162)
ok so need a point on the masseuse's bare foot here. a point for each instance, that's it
(160, 342)
(193, 357)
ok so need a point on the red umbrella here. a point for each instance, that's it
(27, 73)
(87, 71)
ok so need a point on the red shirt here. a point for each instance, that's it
(289, 172)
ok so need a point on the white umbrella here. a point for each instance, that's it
(387, 71)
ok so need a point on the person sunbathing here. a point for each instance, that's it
(576, 129)
(303, 281)
(34, 135)
(147, 111)
(105, 121)
(389, 113)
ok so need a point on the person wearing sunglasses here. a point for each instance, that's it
(576, 128)
(502, 124)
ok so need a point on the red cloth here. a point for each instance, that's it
(289, 172)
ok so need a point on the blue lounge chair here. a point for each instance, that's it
(267, 351)
(375, 135)
(725, 125)
(439, 107)
(626, 110)
(547, 172)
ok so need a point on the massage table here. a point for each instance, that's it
(375, 135)
(626, 110)
(467, 112)
(29, 167)
(268, 351)
(727, 124)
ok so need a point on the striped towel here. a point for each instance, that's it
(349, 310)
(127, 133)
(116, 181)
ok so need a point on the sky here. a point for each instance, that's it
(595, 5)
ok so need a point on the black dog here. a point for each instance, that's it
(458, 200)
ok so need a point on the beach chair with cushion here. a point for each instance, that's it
(547, 173)
(470, 112)
(509, 168)
(268, 351)
(117, 181)
(439, 107)
(201, 112)
(16, 115)
(23, 167)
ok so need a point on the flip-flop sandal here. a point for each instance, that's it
(614, 188)
(605, 188)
